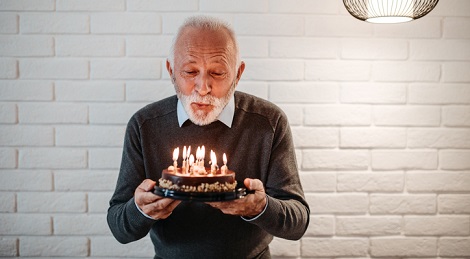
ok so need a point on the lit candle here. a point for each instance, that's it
(198, 154)
(176, 153)
(191, 163)
(188, 164)
(183, 167)
(198, 160)
(224, 168)
(203, 155)
(213, 162)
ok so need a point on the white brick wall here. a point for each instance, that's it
(380, 116)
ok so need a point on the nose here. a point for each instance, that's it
(203, 85)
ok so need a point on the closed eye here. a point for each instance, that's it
(190, 72)
(218, 74)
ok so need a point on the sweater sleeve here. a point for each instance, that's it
(287, 214)
(124, 219)
(286, 219)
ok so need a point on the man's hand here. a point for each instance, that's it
(249, 206)
(154, 206)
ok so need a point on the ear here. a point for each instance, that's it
(168, 68)
(241, 68)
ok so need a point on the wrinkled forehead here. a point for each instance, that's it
(205, 40)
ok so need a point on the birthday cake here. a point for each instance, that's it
(192, 176)
(179, 181)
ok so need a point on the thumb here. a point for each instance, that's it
(147, 185)
(254, 184)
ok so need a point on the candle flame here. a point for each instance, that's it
(198, 153)
(213, 158)
(191, 160)
(176, 153)
(197, 161)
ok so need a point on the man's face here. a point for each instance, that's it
(204, 73)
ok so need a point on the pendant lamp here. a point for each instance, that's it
(389, 11)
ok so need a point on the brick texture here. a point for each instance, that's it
(380, 117)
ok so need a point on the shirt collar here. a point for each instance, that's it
(226, 116)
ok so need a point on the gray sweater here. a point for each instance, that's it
(259, 145)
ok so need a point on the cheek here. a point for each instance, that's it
(219, 92)
(184, 86)
(221, 89)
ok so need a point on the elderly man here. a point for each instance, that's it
(205, 67)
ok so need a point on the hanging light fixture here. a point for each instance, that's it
(389, 11)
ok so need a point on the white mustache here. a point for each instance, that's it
(206, 99)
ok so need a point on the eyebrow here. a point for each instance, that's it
(217, 61)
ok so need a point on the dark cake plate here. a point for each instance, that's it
(202, 196)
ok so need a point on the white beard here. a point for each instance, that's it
(200, 117)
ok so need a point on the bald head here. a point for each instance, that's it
(194, 27)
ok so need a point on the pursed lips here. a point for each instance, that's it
(201, 106)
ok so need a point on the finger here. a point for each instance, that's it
(226, 205)
(214, 204)
(169, 209)
(158, 205)
(146, 198)
(254, 184)
(143, 195)
(147, 185)
(161, 209)
(173, 205)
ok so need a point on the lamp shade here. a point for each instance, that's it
(389, 11)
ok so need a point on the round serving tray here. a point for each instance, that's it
(201, 196)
